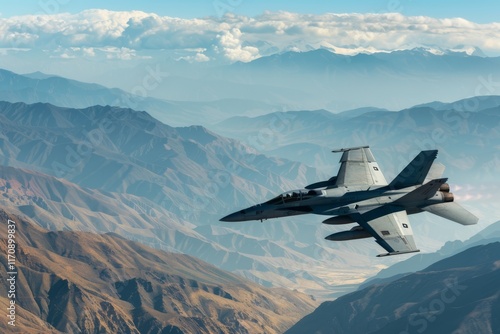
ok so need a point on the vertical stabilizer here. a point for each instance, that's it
(416, 171)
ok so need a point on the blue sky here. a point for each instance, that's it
(481, 11)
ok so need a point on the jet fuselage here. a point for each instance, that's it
(336, 201)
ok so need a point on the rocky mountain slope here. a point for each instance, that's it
(459, 294)
(272, 254)
(84, 282)
(190, 171)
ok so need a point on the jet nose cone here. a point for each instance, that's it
(233, 217)
(240, 216)
(226, 218)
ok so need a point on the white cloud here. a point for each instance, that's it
(88, 52)
(200, 57)
(230, 42)
(67, 56)
(119, 53)
(125, 35)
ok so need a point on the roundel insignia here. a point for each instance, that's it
(405, 225)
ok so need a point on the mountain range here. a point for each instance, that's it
(186, 170)
(173, 184)
(69, 169)
(273, 255)
(466, 137)
(89, 283)
(179, 93)
(155, 163)
(392, 80)
(456, 295)
(40, 87)
(321, 79)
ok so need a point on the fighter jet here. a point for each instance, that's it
(360, 195)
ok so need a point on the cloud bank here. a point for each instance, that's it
(128, 35)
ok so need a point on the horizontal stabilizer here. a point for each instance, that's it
(398, 253)
(339, 150)
(453, 212)
(424, 192)
(416, 171)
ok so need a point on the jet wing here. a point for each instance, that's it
(358, 167)
(390, 227)
(452, 211)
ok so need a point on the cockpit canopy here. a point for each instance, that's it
(294, 196)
